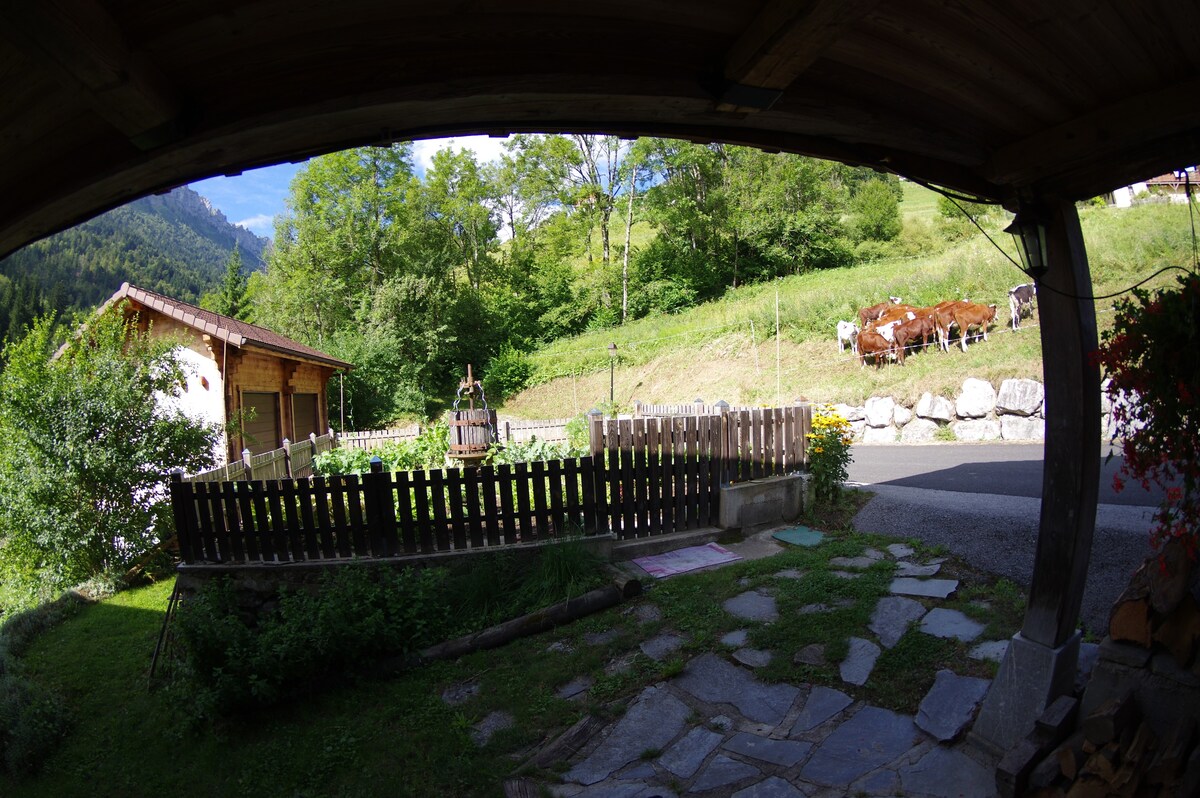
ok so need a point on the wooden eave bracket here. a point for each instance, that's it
(779, 45)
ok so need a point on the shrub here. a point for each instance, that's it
(829, 454)
(229, 661)
(507, 373)
(1149, 355)
(32, 723)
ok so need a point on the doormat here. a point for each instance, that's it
(800, 536)
(683, 560)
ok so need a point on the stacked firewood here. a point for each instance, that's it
(1138, 737)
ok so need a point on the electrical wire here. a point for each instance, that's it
(1040, 285)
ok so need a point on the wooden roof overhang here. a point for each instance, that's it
(107, 101)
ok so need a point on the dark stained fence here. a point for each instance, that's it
(383, 514)
(664, 474)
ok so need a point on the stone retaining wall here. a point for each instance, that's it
(977, 413)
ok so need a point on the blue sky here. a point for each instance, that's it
(255, 197)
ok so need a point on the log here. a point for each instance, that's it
(1106, 724)
(533, 623)
(1179, 631)
(1070, 756)
(1103, 763)
(1172, 752)
(1129, 621)
(567, 744)
(1169, 576)
(1088, 787)
(1058, 719)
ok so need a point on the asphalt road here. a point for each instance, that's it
(982, 503)
(1007, 469)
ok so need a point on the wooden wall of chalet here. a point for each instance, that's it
(248, 370)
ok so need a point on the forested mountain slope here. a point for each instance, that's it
(175, 243)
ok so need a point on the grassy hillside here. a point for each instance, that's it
(728, 350)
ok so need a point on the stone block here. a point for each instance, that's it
(919, 430)
(976, 399)
(934, 408)
(979, 429)
(761, 501)
(876, 435)
(879, 411)
(1020, 428)
(902, 416)
(1020, 397)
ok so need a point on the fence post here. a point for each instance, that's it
(247, 472)
(723, 428)
(179, 509)
(287, 458)
(699, 405)
(599, 468)
(375, 493)
(507, 431)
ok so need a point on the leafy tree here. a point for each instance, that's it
(876, 212)
(83, 487)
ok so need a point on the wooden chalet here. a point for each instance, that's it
(274, 385)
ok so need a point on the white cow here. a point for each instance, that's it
(847, 332)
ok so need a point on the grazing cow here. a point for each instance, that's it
(1020, 300)
(875, 311)
(943, 318)
(973, 316)
(872, 344)
(920, 326)
(847, 333)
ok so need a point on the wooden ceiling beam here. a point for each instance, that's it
(779, 45)
(1110, 134)
(78, 43)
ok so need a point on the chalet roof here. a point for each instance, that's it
(236, 333)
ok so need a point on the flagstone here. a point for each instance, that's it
(712, 679)
(930, 588)
(784, 753)
(942, 622)
(948, 773)
(686, 756)
(892, 617)
(771, 787)
(871, 738)
(950, 705)
(661, 646)
(722, 771)
(753, 605)
(654, 719)
(735, 638)
(908, 569)
(822, 704)
(753, 657)
(901, 550)
(859, 662)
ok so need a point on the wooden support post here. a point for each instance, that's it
(287, 458)
(1071, 474)
(247, 473)
(1041, 660)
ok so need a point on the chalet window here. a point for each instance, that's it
(304, 415)
(262, 430)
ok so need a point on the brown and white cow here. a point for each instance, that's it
(872, 313)
(944, 317)
(973, 316)
(872, 344)
(922, 325)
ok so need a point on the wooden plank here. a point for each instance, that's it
(654, 475)
(543, 527)
(640, 481)
(679, 475)
(491, 507)
(437, 500)
(261, 528)
(388, 537)
(612, 452)
(181, 509)
(693, 471)
(508, 520)
(324, 517)
(405, 493)
(572, 483)
(232, 525)
(358, 527)
(628, 523)
(789, 439)
(341, 528)
(589, 513)
(666, 474)
(805, 430)
(704, 464)
(278, 527)
(560, 522)
(212, 516)
(474, 510)
(768, 450)
(214, 551)
(246, 512)
(424, 515)
(454, 503)
(291, 516)
(524, 524)
(744, 469)
(304, 495)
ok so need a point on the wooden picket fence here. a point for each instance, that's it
(374, 438)
(645, 476)
(552, 430)
(383, 514)
(292, 460)
(665, 474)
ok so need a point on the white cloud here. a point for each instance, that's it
(262, 224)
(486, 149)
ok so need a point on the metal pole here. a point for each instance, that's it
(612, 377)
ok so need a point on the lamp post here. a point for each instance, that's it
(612, 372)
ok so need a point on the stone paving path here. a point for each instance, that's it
(716, 730)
